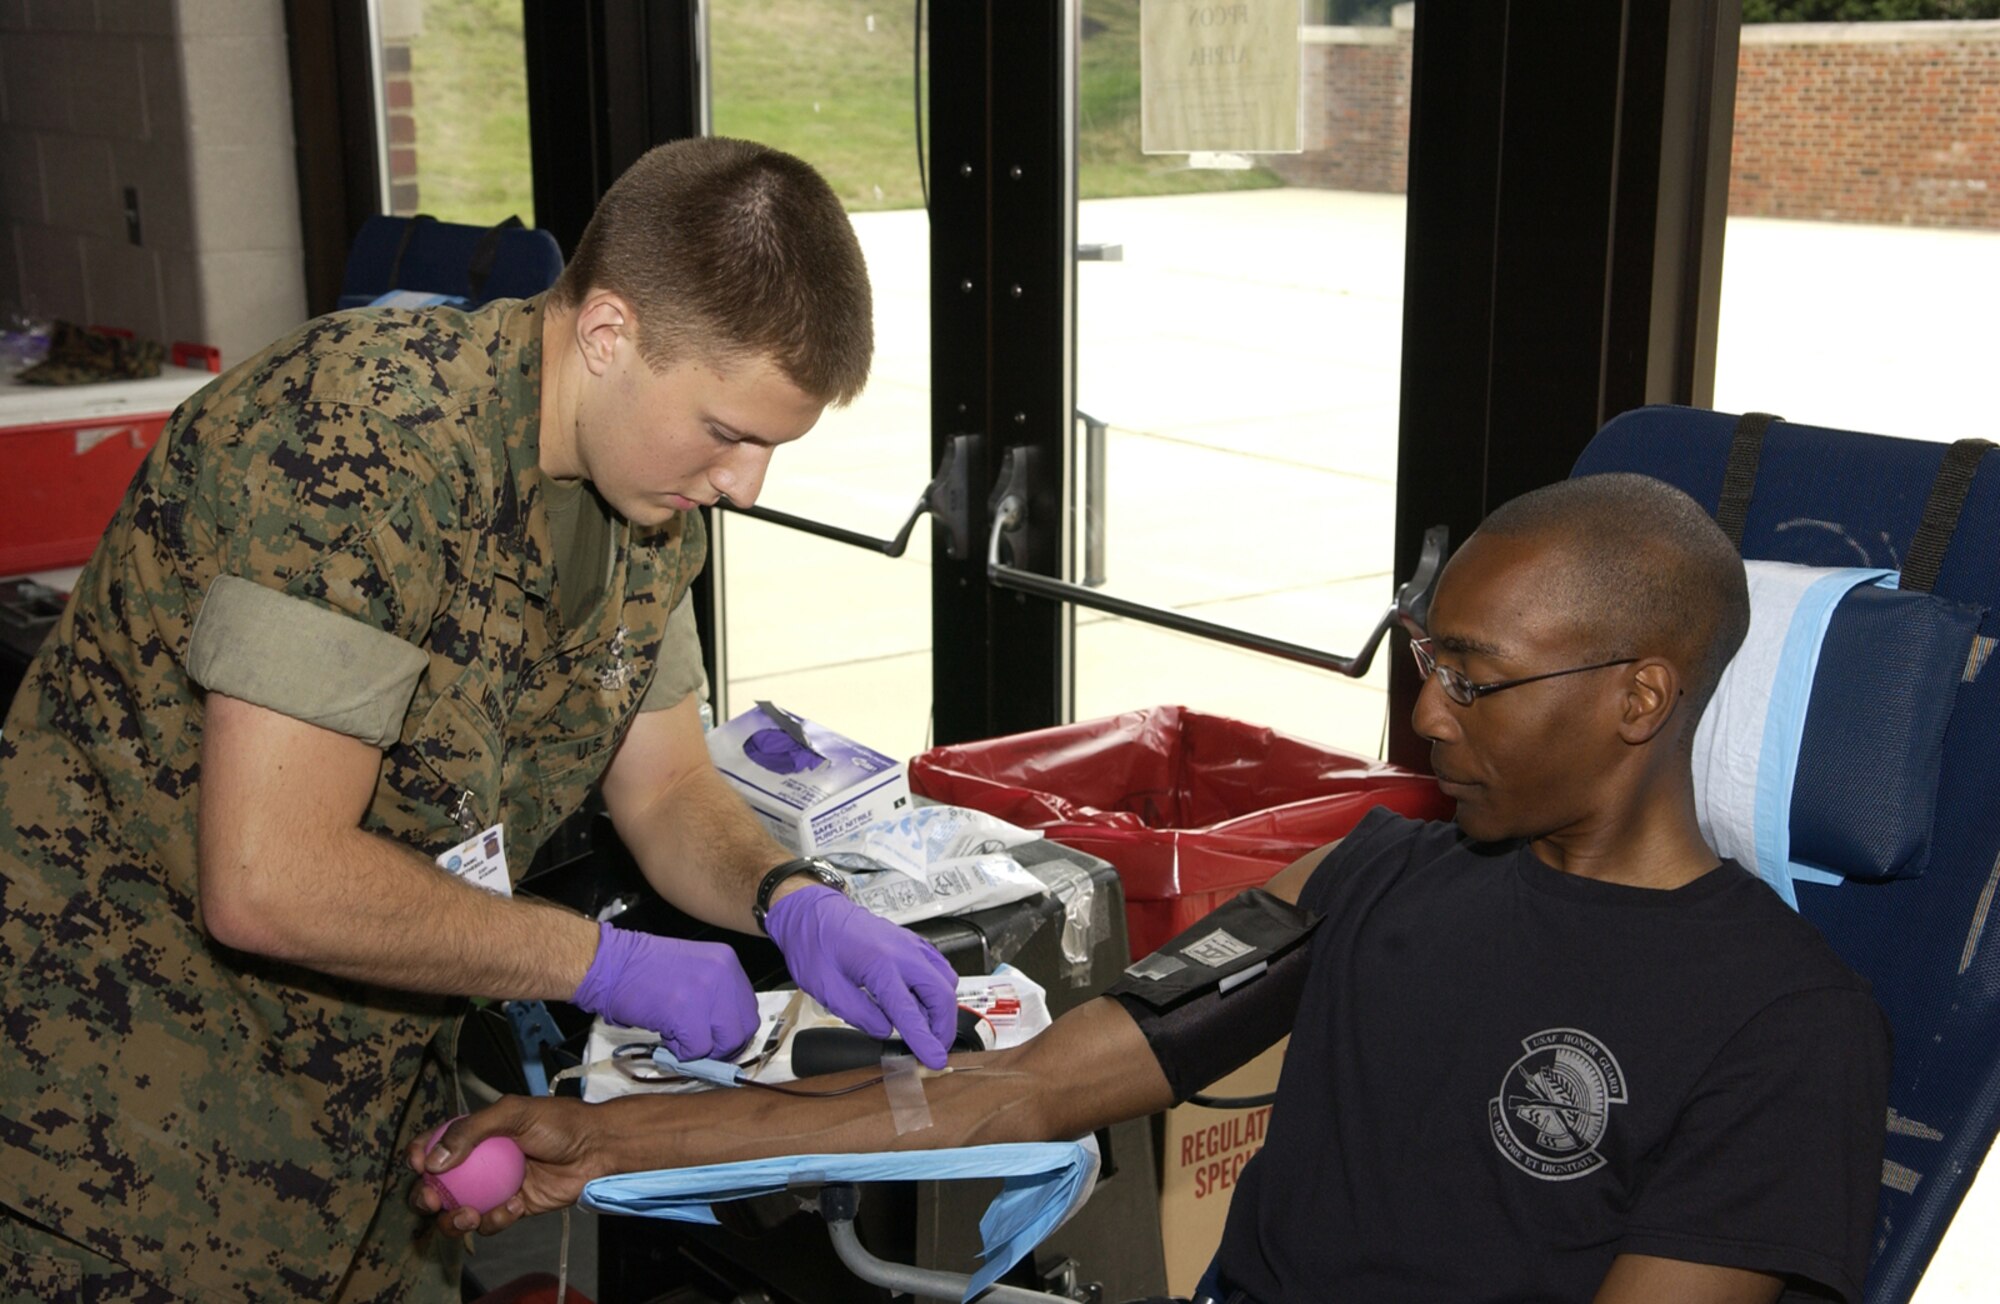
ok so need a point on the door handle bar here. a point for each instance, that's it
(947, 496)
(1009, 509)
(887, 547)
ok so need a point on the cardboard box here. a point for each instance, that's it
(1205, 1153)
(810, 786)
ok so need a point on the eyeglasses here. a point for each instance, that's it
(1464, 692)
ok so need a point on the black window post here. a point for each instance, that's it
(1568, 181)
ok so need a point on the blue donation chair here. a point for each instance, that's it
(1923, 933)
(469, 263)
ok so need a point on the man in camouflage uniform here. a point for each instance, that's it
(401, 581)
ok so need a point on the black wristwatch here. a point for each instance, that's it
(810, 866)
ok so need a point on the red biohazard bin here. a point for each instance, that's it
(1190, 808)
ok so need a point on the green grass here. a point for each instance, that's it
(807, 76)
(470, 85)
(1109, 161)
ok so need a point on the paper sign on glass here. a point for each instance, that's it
(1221, 76)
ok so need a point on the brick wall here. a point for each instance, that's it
(1869, 122)
(399, 109)
(1851, 122)
(1357, 93)
(188, 107)
(399, 26)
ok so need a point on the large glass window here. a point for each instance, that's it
(1861, 264)
(822, 628)
(1862, 255)
(454, 109)
(1238, 328)
(1244, 358)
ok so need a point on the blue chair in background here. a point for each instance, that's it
(470, 264)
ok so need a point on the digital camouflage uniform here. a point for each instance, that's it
(349, 528)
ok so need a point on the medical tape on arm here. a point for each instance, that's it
(904, 1086)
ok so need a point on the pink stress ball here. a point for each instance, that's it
(483, 1180)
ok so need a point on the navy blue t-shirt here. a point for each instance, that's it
(1503, 1076)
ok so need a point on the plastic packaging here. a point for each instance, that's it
(1013, 1007)
(24, 341)
(1084, 925)
(937, 860)
(1192, 808)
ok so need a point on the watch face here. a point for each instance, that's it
(824, 871)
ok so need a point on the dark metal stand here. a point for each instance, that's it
(839, 1203)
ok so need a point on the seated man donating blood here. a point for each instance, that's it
(1554, 1050)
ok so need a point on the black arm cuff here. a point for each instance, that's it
(1214, 1033)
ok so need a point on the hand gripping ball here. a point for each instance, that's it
(483, 1180)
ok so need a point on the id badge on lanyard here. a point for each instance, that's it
(481, 860)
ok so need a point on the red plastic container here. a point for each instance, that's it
(62, 483)
(1191, 808)
(66, 455)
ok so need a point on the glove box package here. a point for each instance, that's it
(809, 785)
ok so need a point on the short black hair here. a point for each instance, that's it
(1642, 570)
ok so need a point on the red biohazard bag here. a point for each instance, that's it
(1190, 808)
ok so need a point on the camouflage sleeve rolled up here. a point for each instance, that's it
(306, 661)
(331, 557)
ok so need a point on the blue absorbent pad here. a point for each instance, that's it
(409, 299)
(1045, 1182)
(1746, 750)
(1818, 759)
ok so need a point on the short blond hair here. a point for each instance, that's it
(728, 249)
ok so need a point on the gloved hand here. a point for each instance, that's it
(694, 994)
(867, 970)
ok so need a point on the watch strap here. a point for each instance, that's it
(809, 866)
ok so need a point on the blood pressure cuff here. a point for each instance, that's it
(1217, 996)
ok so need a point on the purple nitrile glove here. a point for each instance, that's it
(867, 970)
(694, 994)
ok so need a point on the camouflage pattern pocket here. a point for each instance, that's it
(458, 753)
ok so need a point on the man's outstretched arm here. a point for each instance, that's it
(286, 870)
(1092, 1068)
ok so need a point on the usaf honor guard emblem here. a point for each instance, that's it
(1555, 1103)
